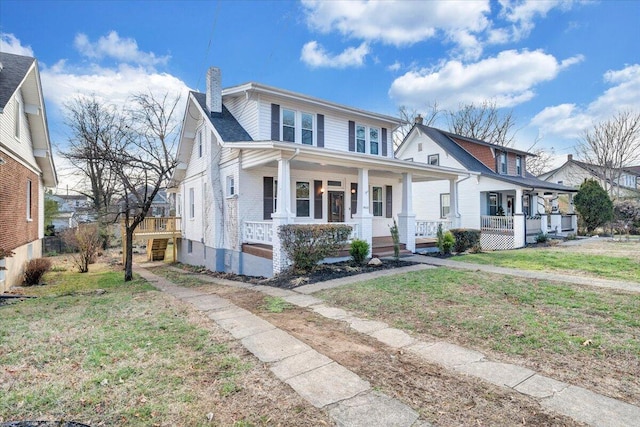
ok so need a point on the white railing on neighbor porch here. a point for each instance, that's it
(496, 223)
(534, 225)
(430, 228)
(566, 222)
(261, 232)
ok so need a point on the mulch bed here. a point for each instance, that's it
(291, 279)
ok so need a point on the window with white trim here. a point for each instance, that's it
(303, 200)
(192, 203)
(367, 139)
(231, 186)
(503, 162)
(199, 143)
(288, 125)
(29, 190)
(361, 142)
(307, 128)
(518, 165)
(189, 246)
(433, 159)
(178, 204)
(445, 205)
(376, 201)
(374, 140)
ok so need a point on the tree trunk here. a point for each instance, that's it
(128, 260)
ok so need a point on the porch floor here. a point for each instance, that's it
(382, 247)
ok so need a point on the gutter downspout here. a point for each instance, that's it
(458, 181)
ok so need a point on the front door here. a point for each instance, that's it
(510, 205)
(336, 206)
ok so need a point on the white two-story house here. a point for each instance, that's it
(254, 157)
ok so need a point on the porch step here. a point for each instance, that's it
(156, 249)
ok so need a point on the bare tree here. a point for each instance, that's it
(539, 163)
(611, 145)
(483, 122)
(408, 117)
(143, 161)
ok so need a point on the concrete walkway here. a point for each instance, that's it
(349, 399)
(528, 274)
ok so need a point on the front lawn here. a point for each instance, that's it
(96, 350)
(567, 332)
(625, 268)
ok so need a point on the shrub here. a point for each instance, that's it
(359, 251)
(465, 238)
(541, 238)
(476, 249)
(440, 237)
(395, 236)
(308, 244)
(447, 242)
(87, 241)
(35, 269)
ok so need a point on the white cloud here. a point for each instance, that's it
(569, 120)
(522, 14)
(508, 79)
(121, 49)
(10, 44)
(400, 23)
(395, 66)
(314, 55)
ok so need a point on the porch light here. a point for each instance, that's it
(353, 191)
(322, 189)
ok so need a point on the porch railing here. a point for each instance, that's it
(430, 228)
(566, 222)
(496, 223)
(171, 224)
(261, 232)
(534, 226)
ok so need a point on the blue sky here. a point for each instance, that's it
(559, 65)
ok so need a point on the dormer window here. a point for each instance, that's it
(519, 165)
(502, 163)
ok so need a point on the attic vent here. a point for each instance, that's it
(420, 146)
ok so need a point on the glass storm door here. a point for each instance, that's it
(336, 206)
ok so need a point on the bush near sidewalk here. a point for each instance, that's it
(308, 244)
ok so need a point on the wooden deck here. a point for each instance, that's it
(157, 231)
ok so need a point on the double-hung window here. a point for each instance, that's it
(361, 142)
(307, 128)
(288, 125)
(518, 165)
(503, 162)
(231, 186)
(376, 201)
(302, 199)
(29, 189)
(374, 140)
(445, 205)
(192, 203)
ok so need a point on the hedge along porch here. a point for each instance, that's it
(310, 185)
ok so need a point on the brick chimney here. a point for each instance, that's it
(214, 90)
(569, 157)
(418, 119)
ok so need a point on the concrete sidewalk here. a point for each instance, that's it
(348, 398)
(528, 274)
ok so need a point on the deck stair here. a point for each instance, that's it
(156, 249)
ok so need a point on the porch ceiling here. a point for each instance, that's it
(321, 159)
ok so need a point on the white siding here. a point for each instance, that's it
(22, 147)
(246, 113)
(410, 150)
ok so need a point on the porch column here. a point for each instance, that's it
(539, 210)
(556, 217)
(282, 215)
(363, 216)
(519, 233)
(406, 218)
(454, 216)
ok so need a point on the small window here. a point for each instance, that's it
(307, 129)
(374, 140)
(189, 246)
(178, 204)
(493, 204)
(361, 143)
(302, 199)
(289, 125)
(231, 186)
(503, 163)
(29, 190)
(518, 165)
(200, 144)
(376, 201)
(18, 119)
(433, 159)
(192, 203)
(334, 183)
(445, 205)
(560, 182)
(419, 146)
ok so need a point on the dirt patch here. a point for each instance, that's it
(440, 396)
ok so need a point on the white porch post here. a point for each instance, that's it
(282, 215)
(574, 217)
(556, 217)
(363, 215)
(406, 218)
(539, 209)
(454, 216)
(519, 237)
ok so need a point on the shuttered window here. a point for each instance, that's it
(317, 199)
(389, 207)
(302, 199)
(268, 191)
(376, 201)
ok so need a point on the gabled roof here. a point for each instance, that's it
(14, 70)
(227, 126)
(469, 162)
(595, 170)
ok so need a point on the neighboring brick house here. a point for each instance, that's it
(254, 157)
(26, 164)
(574, 172)
(502, 199)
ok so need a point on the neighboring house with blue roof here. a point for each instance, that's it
(501, 199)
(26, 165)
(254, 157)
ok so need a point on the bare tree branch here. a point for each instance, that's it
(483, 122)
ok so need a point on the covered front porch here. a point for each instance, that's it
(307, 185)
(513, 218)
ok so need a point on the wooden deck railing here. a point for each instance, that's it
(159, 225)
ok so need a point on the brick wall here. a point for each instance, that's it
(15, 229)
(480, 152)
